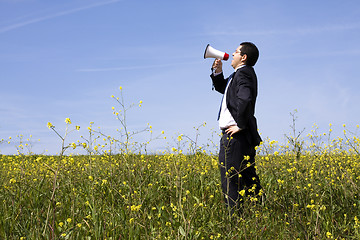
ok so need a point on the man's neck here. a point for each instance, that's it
(239, 66)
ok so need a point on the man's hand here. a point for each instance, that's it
(232, 130)
(217, 65)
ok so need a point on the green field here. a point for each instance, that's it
(114, 190)
(312, 192)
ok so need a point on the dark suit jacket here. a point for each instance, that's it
(240, 100)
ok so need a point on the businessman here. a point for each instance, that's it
(239, 128)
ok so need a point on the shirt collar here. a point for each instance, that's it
(239, 67)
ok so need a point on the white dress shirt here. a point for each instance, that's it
(226, 120)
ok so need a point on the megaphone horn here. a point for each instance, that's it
(211, 52)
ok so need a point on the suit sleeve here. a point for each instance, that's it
(219, 82)
(243, 99)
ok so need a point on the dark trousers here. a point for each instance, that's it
(237, 169)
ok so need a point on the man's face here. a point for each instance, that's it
(238, 60)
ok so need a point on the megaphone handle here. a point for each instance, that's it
(217, 66)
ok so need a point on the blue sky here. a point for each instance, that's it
(64, 59)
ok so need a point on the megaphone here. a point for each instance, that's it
(211, 52)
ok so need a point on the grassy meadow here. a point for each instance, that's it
(118, 191)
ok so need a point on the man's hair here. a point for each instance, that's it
(251, 51)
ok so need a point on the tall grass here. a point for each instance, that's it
(311, 185)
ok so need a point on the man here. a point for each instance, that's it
(238, 125)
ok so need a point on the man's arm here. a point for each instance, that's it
(217, 76)
(243, 98)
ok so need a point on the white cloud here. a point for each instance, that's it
(134, 67)
(292, 31)
(54, 15)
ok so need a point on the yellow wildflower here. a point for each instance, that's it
(68, 121)
(242, 192)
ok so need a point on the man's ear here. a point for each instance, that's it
(243, 58)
